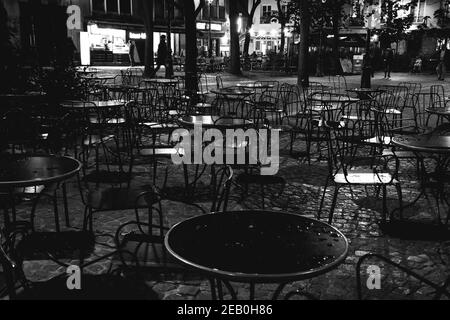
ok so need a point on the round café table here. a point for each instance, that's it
(93, 103)
(16, 171)
(365, 93)
(426, 143)
(254, 85)
(256, 247)
(439, 147)
(97, 77)
(441, 112)
(161, 81)
(331, 98)
(20, 172)
(208, 121)
(232, 92)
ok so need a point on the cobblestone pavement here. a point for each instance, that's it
(356, 215)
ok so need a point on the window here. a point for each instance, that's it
(112, 6)
(266, 12)
(98, 5)
(258, 45)
(125, 7)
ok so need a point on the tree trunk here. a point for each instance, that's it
(305, 19)
(336, 56)
(147, 6)
(235, 60)
(283, 38)
(320, 57)
(246, 42)
(191, 47)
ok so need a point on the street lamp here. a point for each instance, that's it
(209, 33)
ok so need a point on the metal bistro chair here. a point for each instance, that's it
(440, 289)
(109, 286)
(141, 242)
(345, 168)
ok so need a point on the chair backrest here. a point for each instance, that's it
(345, 143)
(221, 183)
(438, 90)
(421, 102)
(273, 83)
(413, 87)
(338, 83)
(388, 100)
(17, 126)
(9, 268)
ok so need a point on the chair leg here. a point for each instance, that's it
(323, 199)
(85, 218)
(333, 205)
(55, 209)
(66, 206)
(384, 188)
(400, 200)
(262, 196)
(91, 217)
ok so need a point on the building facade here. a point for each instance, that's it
(100, 30)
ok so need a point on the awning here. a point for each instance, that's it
(136, 27)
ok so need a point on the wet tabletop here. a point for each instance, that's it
(96, 103)
(18, 171)
(424, 143)
(162, 80)
(257, 245)
(254, 85)
(213, 121)
(331, 98)
(233, 92)
(444, 111)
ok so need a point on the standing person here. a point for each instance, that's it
(441, 69)
(388, 59)
(161, 59)
(131, 49)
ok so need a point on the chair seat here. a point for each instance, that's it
(392, 111)
(203, 105)
(364, 178)
(61, 245)
(95, 140)
(159, 126)
(110, 177)
(399, 154)
(93, 287)
(108, 121)
(248, 178)
(119, 198)
(148, 250)
(379, 140)
(160, 152)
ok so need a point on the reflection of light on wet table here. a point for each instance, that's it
(93, 103)
(208, 121)
(257, 247)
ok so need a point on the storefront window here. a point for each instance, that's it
(111, 6)
(98, 5)
(125, 7)
(107, 38)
